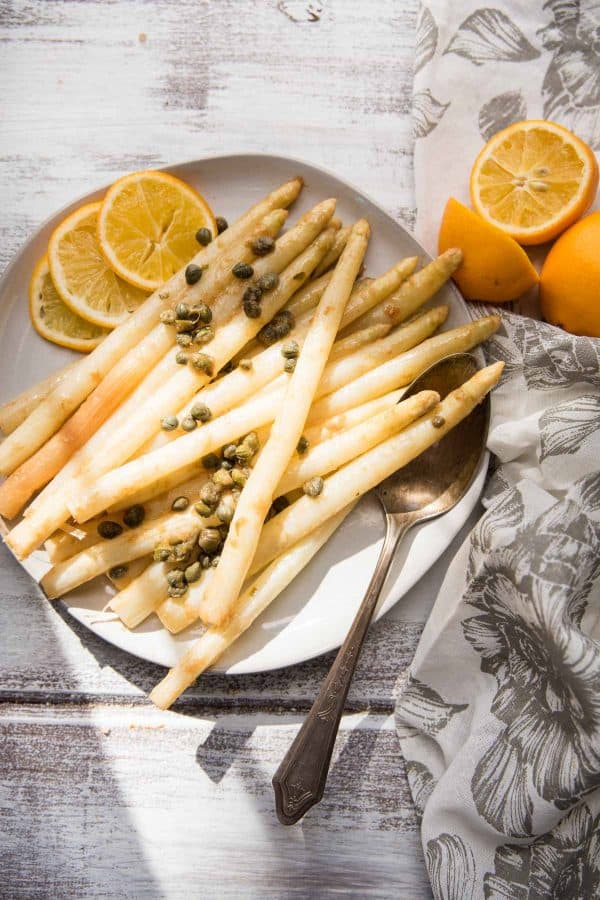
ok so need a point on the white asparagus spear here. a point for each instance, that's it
(142, 596)
(257, 495)
(255, 599)
(336, 251)
(15, 411)
(49, 415)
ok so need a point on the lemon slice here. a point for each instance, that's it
(53, 319)
(147, 227)
(533, 180)
(81, 275)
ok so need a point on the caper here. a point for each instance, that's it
(209, 540)
(177, 590)
(245, 364)
(314, 486)
(211, 461)
(184, 340)
(239, 477)
(438, 421)
(229, 451)
(203, 362)
(192, 573)
(279, 327)
(117, 571)
(182, 311)
(203, 509)
(251, 309)
(162, 554)
(182, 551)
(134, 516)
(302, 445)
(279, 504)
(225, 464)
(175, 576)
(204, 335)
(223, 531)
(184, 326)
(193, 273)
(205, 562)
(243, 270)
(167, 317)
(252, 441)
(181, 358)
(210, 493)
(109, 529)
(268, 281)
(223, 478)
(263, 245)
(215, 561)
(203, 236)
(179, 504)
(202, 313)
(222, 224)
(200, 412)
(290, 365)
(252, 292)
(244, 453)
(164, 295)
(188, 423)
(224, 511)
(290, 350)
(169, 423)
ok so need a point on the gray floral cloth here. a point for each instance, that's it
(499, 720)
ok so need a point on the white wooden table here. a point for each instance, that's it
(102, 795)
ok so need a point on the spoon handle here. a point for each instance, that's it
(300, 780)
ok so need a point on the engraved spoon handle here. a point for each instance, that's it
(300, 780)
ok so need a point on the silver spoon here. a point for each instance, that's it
(429, 486)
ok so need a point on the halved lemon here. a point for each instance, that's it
(53, 319)
(533, 180)
(147, 227)
(81, 275)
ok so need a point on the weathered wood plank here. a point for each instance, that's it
(185, 808)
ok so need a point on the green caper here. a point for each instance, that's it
(251, 309)
(252, 292)
(134, 516)
(290, 365)
(193, 273)
(211, 461)
(222, 224)
(184, 340)
(210, 493)
(224, 511)
(203, 509)
(279, 327)
(167, 317)
(182, 311)
(245, 364)
(177, 590)
(188, 423)
(175, 576)
(202, 313)
(204, 335)
(117, 571)
(438, 421)
(203, 362)
(243, 270)
(223, 478)
(302, 445)
(314, 486)
(184, 326)
(179, 504)
(225, 464)
(263, 245)
(209, 540)
(192, 573)
(181, 358)
(109, 529)
(244, 453)
(252, 441)
(169, 423)
(290, 350)
(268, 281)
(215, 561)
(182, 551)
(239, 477)
(162, 554)
(201, 412)
(229, 451)
(204, 236)
(205, 562)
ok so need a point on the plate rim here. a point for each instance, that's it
(478, 480)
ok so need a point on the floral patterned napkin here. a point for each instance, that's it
(500, 718)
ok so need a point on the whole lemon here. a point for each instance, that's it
(570, 279)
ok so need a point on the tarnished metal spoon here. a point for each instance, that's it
(429, 486)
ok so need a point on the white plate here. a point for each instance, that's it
(314, 613)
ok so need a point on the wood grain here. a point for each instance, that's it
(102, 795)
